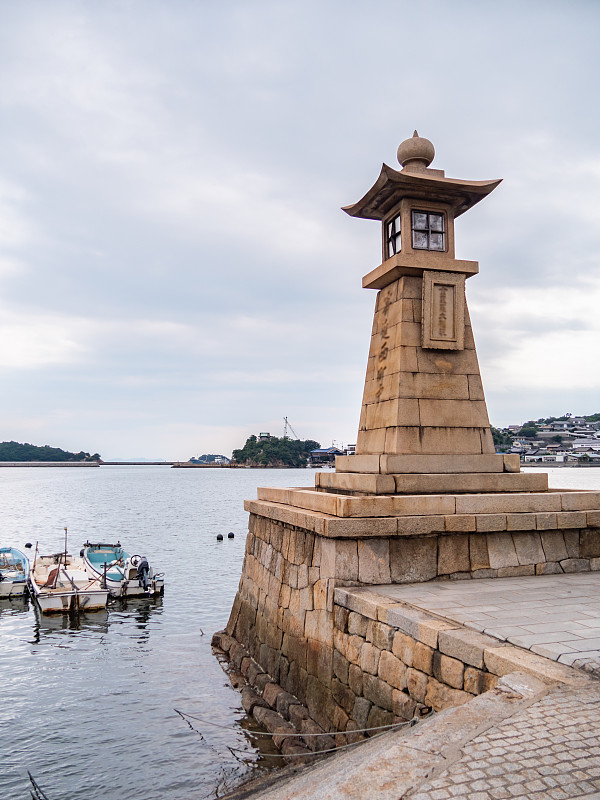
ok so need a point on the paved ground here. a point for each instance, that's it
(556, 616)
(549, 750)
(523, 740)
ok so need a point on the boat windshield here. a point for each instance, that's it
(106, 554)
(11, 561)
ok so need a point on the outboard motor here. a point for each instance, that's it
(143, 572)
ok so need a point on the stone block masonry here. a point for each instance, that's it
(351, 659)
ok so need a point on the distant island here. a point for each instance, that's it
(14, 451)
(271, 451)
(207, 459)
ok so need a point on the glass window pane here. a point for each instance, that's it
(436, 241)
(390, 248)
(397, 224)
(419, 221)
(419, 240)
(436, 222)
(390, 230)
(397, 243)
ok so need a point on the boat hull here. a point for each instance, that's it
(135, 588)
(10, 588)
(60, 588)
(70, 602)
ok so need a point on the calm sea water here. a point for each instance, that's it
(88, 708)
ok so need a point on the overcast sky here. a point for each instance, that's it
(175, 270)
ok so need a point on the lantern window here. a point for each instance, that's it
(428, 231)
(393, 237)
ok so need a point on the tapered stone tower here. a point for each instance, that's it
(423, 393)
(423, 408)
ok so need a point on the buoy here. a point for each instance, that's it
(28, 545)
(219, 537)
(230, 535)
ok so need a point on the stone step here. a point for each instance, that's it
(433, 504)
(428, 464)
(441, 483)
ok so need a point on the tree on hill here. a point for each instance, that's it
(529, 430)
(14, 451)
(274, 452)
(502, 439)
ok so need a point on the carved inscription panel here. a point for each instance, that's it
(443, 322)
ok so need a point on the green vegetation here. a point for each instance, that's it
(565, 417)
(13, 451)
(529, 429)
(274, 452)
(502, 439)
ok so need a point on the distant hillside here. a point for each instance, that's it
(274, 452)
(14, 451)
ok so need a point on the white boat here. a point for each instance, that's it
(124, 575)
(62, 583)
(14, 572)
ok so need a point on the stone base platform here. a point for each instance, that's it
(456, 505)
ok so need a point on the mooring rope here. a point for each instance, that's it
(391, 726)
(235, 750)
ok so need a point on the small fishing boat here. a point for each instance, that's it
(14, 572)
(124, 575)
(62, 583)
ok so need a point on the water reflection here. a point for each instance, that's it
(137, 612)
(66, 624)
(14, 605)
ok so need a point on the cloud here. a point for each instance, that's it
(171, 244)
(543, 337)
(41, 342)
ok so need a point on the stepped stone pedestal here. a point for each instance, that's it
(425, 497)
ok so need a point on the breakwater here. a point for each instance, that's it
(49, 463)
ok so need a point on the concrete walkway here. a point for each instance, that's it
(549, 750)
(524, 739)
(556, 616)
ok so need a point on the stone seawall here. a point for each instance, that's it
(302, 636)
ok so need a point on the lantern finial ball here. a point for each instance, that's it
(416, 152)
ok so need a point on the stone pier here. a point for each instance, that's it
(424, 499)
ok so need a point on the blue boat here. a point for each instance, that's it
(124, 575)
(14, 572)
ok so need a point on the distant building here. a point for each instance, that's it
(324, 455)
(263, 436)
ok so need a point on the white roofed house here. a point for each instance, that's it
(591, 442)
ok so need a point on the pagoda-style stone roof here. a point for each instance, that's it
(392, 185)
